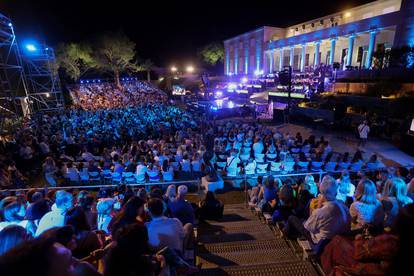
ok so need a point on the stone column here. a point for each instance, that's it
(350, 50)
(317, 49)
(371, 48)
(302, 60)
(332, 55)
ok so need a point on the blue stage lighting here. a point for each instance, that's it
(10, 24)
(99, 80)
(81, 81)
(87, 81)
(31, 47)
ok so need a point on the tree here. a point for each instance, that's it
(75, 59)
(146, 66)
(212, 53)
(114, 53)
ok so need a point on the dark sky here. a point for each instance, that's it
(165, 31)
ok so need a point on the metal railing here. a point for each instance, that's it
(197, 183)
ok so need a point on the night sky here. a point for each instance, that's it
(167, 33)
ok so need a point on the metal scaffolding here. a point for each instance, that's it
(13, 88)
(44, 90)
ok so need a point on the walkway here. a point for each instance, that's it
(240, 244)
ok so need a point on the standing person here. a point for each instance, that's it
(363, 130)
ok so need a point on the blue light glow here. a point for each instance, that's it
(10, 24)
(31, 47)
(244, 80)
(230, 104)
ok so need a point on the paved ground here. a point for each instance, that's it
(240, 245)
(346, 142)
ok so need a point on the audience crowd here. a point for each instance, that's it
(355, 225)
(118, 231)
(133, 134)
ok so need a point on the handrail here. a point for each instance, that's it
(146, 184)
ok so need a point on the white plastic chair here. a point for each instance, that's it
(330, 166)
(275, 166)
(288, 166)
(259, 157)
(262, 168)
(303, 165)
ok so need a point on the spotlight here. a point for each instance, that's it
(173, 69)
(189, 69)
(244, 80)
(31, 47)
(10, 24)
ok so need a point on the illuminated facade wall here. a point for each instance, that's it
(349, 38)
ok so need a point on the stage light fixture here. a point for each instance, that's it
(174, 69)
(10, 24)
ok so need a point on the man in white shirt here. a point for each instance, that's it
(330, 219)
(141, 171)
(363, 130)
(163, 231)
(258, 146)
(56, 217)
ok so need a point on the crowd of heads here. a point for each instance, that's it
(122, 231)
(105, 95)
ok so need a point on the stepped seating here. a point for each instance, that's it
(241, 244)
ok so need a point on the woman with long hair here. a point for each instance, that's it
(394, 197)
(131, 213)
(367, 209)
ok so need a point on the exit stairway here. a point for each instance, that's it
(240, 244)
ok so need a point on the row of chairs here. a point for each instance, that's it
(301, 166)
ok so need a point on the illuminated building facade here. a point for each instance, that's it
(348, 38)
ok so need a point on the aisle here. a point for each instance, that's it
(240, 244)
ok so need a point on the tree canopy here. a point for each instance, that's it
(114, 53)
(75, 59)
(212, 53)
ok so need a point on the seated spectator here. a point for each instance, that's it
(210, 207)
(284, 205)
(132, 212)
(86, 240)
(104, 208)
(366, 209)
(56, 217)
(42, 256)
(181, 208)
(163, 231)
(346, 189)
(130, 256)
(185, 164)
(167, 171)
(49, 170)
(330, 219)
(11, 236)
(153, 173)
(311, 185)
(34, 214)
(71, 173)
(385, 254)
(13, 212)
(267, 194)
(141, 171)
(394, 197)
(170, 194)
